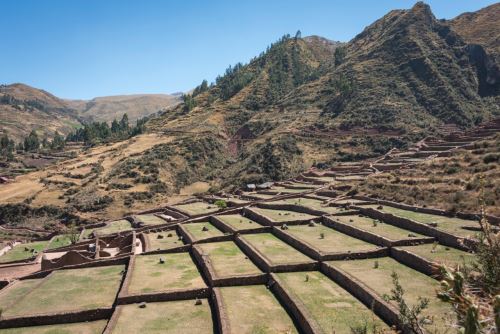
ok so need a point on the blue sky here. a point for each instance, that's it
(88, 48)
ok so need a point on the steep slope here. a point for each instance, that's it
(24, 108)
(481, 28)
(107, 108)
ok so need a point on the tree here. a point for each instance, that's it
(203, 87)
(124, 123)
(115, 127)
(189, 102)
(58, 142)
(340, 53)
(221, 204)
(31, 143)
(298, 35)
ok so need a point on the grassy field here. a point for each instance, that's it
(112, 227)
(70, 290)
(15, 292)
(92, 327)
(168, 317)
(328, 240)
(283, 215)
(59, 241)
(441, 254)
(376, 226)
(197, 208)
(164, 243)
(238, 222)
(349, 201)
(196, 230)
(23, 251)
(178, 272)
(254, 309)
(150, 220)
(288, 190)
(311, 203)
(414, 283)
(333, 308)
(448, 224)
(275, 250)
(261, 196)
(227, 259)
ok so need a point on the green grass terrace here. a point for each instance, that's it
(196, 208)
(163, 240)
(283, 216)
(227, 260)
(238, 222)
(376, 275)
(201, 231)
(332, 308)
(25, 251)
(448, 224)
(312, 203)
(178, 272)
(150, 220)
(91, 327)
(65, 291)
(448, 256)
(116, 226)
(179, 317)
(254, 309)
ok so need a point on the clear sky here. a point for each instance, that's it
(88, 48)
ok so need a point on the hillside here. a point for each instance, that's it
(24, 108)
(107, 108)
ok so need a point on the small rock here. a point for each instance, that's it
(311, 224)
(380, 207)
(160, 236)
(284, 227)
(142, 305)
(162, 260)
(204, 229)
(411, 235)
(169, 235)
(198, 301)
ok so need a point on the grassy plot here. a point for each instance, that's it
(116, 226)
(276, 251)
(71, 290)
(448, 224)
(168, 317)
(328, 240)
(177, 272)
(16, 291)
(311, 203)
(203, 230)
(161, 240)
(376, 274)
(283, 215)
(254, 309)
(239, 222)
(227, 259)
(333, 308)
(378, 227)
(259, 195)
(24, 251)
(441, 254)
(92, 327)
(197, 208)
(150, 219)
(349, 201)
(288, 190)
(60, 241)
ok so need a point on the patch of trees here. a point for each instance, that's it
(234, 79)
(7, 146)
(189, 102)
(98, 132)
(203, 87)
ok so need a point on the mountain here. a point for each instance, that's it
(107, 108)
(24, 108)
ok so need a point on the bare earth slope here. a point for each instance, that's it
(107, 108)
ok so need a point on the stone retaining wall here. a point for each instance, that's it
(367, 296)
(416, 262)
(291, 207)
(221, 317)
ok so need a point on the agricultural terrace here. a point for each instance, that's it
(441, 254)
(92, 327)
(376, 274)
(378, 227)
(116, 226)
(274, 250)
(283, 216)
(349, 201)
(179, 317)
(197, 208)
(449, 224)
(238, 222)
(59, 241)
(201, 231)
(149, 220)
(163, 240)
(227, 260)
(83, 289)
(16, 291)
(312, 203)
(279, 189)
(175, 271)
(254, 309)
(24, 251)
(328, 240)
(331, 307)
